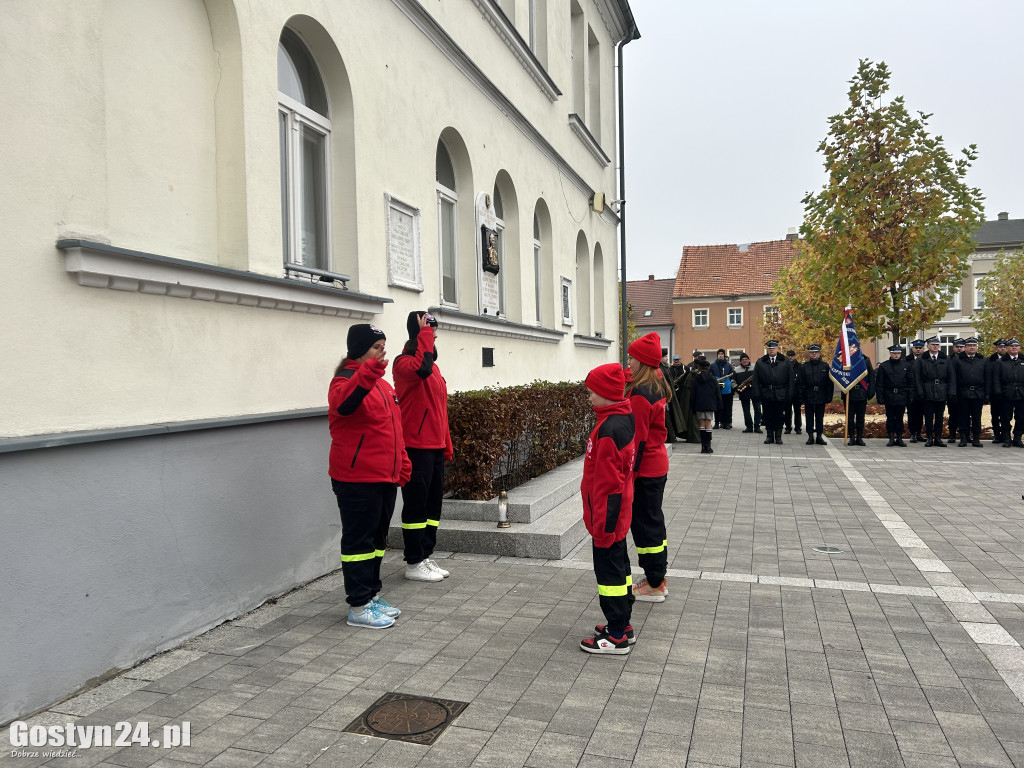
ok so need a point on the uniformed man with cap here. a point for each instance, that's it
(858, 399)
(972, 382)
(815, 389)
(995, 406)
(894, 386)
(793, 408)
(1008, 382)
(773, 388)
(936, 381)
(952, 402)
(915, 405)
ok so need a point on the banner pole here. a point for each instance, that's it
(846, 421)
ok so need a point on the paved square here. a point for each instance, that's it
(904, 649)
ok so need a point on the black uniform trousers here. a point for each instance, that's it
(366, 510)
(745, 401)
(970, 419)
(815, 417)
(724, 416)
(995, 411)
(1013, 410)
(614, 585)
(894, 419)
(793, 415)
(774, 413)
(933, 412)
(915, 416)
(953, 409)
(648, 527)
(857, 410)
(421, 503)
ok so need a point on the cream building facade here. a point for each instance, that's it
(199, 199)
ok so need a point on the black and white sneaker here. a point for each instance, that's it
(605, 644)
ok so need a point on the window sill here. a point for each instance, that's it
(598, 342)
(734, 327)
(98, 265)
(700, 327)
(581, 130)
(485, 325)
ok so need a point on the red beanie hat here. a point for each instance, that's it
(608, 381)
(647, 349)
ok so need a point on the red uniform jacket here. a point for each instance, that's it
(607, 485)
(649, 411)
(366, 427)
(423, 393)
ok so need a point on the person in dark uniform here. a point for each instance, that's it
(773, 388)
(1009, 383)
(675, 421)
(815, 389)
(936, 380)
(915, 405)
(972, 382)
(859, 395)
(793, 407)
(722, 370)
(684, 388)
(707, 401)
(995, 408)
(952, 403)
(744, 373)
(894, 386)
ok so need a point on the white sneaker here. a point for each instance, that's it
(436, 568)
(421, 571)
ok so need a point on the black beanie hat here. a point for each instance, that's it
(412, 324)
(361, 337)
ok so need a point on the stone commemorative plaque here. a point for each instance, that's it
(405, 265)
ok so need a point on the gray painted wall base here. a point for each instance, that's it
(547, 521)
(113, 551)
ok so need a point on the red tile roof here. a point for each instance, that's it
(725, 270)
(653, 295)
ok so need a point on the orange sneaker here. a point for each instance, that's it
(642, 590)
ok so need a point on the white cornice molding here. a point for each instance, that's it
(584, 134)
(520, 49)
(428, 25)
(484, 325)
(608, 10)
(98, 265)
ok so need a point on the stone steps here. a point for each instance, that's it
(546, 515)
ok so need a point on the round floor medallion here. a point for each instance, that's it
(407, 716)
(827, 550)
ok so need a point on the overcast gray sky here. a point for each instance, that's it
(727, 100)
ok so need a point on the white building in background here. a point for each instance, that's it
(199, 198)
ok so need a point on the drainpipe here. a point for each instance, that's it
(632, 33)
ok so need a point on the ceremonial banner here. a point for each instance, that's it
(848, 368)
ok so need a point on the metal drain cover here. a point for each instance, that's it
(827, 550)
(399, 716)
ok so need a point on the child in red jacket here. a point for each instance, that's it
(367, 464)
(607, 490)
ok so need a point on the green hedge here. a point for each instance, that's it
(504, 437)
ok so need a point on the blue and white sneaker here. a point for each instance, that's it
(369, 616)
(385, 607)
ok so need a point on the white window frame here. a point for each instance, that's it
(954, 302)
(648, 313)
(445, 195)
(537, 286)
(565, 301)
(728, 315)
(499, 242)
(707, 317)
(297, 116)
(770, 311)
(979, 293)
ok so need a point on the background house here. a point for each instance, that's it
(200, 197)
(651, 302)
(722, 292)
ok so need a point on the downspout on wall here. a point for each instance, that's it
(632, 33)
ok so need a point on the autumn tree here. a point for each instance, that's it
(1003, 313)
(890, 231)
(632, 334)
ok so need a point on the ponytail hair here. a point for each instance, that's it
(649, 377)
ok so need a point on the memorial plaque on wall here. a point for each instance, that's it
(490, 287)
(405, 263)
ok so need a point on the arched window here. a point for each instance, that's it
(304, 129)
(599, 308)
(447, 199)
(546, 289)
(583, 273)
(537, 282)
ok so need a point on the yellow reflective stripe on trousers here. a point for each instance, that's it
(652, 550)
(413, 526)
(434, 523)
(620, 591)
(362, 556)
